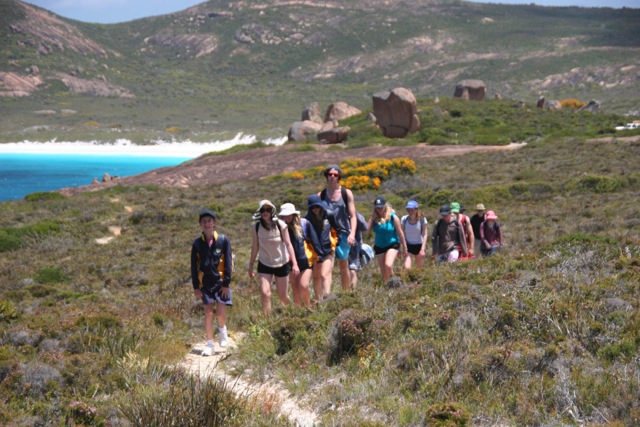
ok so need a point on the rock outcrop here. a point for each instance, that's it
(334, 135)
(592, 107)
(339, 111)
(470, 89)
(395, 112)
(312, 113)
(300, 131)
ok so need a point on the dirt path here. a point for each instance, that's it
(271, 393)
(263, 162)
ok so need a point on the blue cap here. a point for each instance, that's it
(412, 204)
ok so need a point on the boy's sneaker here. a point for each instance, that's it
(208, 351)
(223, 337)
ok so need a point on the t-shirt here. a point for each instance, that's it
(272, 250)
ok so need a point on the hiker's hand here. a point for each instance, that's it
(224, 293)
(251, 273)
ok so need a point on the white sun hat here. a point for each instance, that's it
(288, 209)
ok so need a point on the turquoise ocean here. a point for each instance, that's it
(22, 174)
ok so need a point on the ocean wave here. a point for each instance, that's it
(186, 149)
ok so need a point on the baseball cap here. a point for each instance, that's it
(380, 202)
(444, 210)
(412, 204)
(455, 207)
(208, 212)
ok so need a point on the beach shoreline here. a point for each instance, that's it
(186, 149)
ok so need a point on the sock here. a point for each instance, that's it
(210, 343)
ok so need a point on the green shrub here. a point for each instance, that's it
(51, 275)
(8, 311)
(597, 184)
(43, 196)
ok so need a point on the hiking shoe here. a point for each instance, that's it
(208, 351)
(223, 337)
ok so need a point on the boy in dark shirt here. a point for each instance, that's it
(211, 267)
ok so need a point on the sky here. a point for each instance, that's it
(112, 11)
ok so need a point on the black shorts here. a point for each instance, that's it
(414, 249)
(282, 271)
(303, 264)
(378, 250)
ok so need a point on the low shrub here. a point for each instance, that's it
(597, 184)
(42, 196)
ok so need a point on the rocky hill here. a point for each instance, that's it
(231, 59)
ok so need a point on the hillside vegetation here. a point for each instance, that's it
(545, 333)
(223, 67)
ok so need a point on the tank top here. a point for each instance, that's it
(340, 212)
(413, 232)
(272, 251)
(385, 233)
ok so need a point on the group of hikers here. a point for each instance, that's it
(292, 248)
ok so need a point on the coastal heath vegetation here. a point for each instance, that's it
(546, 332)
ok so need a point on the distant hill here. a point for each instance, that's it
(222, 67)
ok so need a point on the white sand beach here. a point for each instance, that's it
(185, 149)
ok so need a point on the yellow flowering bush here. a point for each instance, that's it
(572, 103)
(172, 129)
(92, 123)
(362, 174)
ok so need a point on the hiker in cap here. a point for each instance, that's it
(490, 234)
(456, 209)
(476, 220)
(211, 268)
(341, 204)
(276, 257)
(389, 237)
(323, 237)
(296, 228)
(447, 237)
(414, 226)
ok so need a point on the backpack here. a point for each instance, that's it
(221, 242)
(422, 221)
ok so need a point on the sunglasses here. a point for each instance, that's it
(333, 174)
(266, 210)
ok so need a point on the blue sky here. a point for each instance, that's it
(111, 11)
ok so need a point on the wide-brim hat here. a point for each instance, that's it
(480, 207)
(264, 203)
(491, 215)
(288, 209)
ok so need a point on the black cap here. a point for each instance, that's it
(208, 212)
(445, 209)
(380, 202)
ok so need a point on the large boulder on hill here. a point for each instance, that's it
(300, 131)
(470, 89)
(395, 112)
(334, 135)
(312, 113)
(339, 111)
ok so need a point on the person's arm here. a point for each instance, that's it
(287, 242)
(353, 219)
(462, 239)
(425, 236)
(403, 243)
(254, 251)
(228, 263)
(370, 225)
(471, 236)
(195, 265)
(482, 237)
(434, 241)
